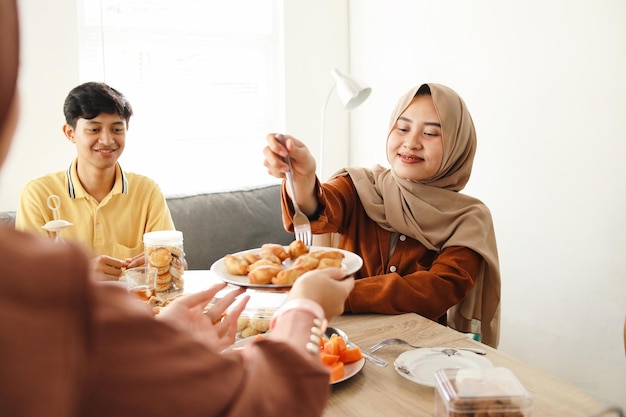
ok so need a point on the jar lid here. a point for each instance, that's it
(163, 237)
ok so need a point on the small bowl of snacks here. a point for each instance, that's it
(254, 321)
(255, 318)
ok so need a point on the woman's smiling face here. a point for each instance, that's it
(415, 144)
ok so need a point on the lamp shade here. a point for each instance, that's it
(350, 92)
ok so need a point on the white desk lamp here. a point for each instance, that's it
(55, 226)
(351, 94)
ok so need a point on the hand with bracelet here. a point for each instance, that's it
(318, 295)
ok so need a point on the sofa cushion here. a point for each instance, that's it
(216, 224)
(8, 218)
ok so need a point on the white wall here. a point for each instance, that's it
(316, 41)
(48, 70)
(545, 82)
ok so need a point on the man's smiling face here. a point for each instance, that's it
(99, 141)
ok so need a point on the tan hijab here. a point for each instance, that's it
(9, 53)
(436, 214)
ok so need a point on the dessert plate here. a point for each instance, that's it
(420, 365)
(351, 369)
(351, 261)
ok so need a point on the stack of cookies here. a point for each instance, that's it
(168, 264)
(168, 259)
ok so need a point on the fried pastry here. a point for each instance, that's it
(288, 276)
(242, 323)
(329, 263)
(271, 257)
(251, 257)
(307, 262)
(262, 262)
(264, 274)
(327, 254)
(235, 265)
(260, 323)
(297, 248)
(275, 249)
(249, 331)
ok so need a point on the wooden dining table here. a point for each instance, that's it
(382, 391)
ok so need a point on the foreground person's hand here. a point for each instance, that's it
(326, 287)
(187, 313)
(293, 322)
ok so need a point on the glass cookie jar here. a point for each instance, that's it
(164, 252)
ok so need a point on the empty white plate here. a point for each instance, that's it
(420, 365)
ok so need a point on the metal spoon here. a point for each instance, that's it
(373, 358)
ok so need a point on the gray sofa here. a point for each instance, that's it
(215, 224)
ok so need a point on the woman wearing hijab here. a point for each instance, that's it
(426, 247)
(72, 346)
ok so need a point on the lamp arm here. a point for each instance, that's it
(323, 118)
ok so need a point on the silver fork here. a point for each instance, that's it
(301, 224)
(395, 341)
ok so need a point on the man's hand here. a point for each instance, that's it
(106, 268)
(137, 260)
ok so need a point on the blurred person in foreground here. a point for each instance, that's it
(110, 209)
(72, 346)
(426, 247)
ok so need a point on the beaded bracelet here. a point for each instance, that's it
(319, 322)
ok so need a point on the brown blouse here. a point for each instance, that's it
(73, 347)
(402, 279)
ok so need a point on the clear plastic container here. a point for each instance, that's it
(255, 318)
(164, 252)
(254, 321)
(480, 392)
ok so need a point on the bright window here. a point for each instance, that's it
(204, 81)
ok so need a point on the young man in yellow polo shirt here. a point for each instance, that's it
(110, 209)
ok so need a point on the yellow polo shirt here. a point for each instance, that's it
(113, 227)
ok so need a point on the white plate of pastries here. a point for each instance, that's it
(276, 266)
